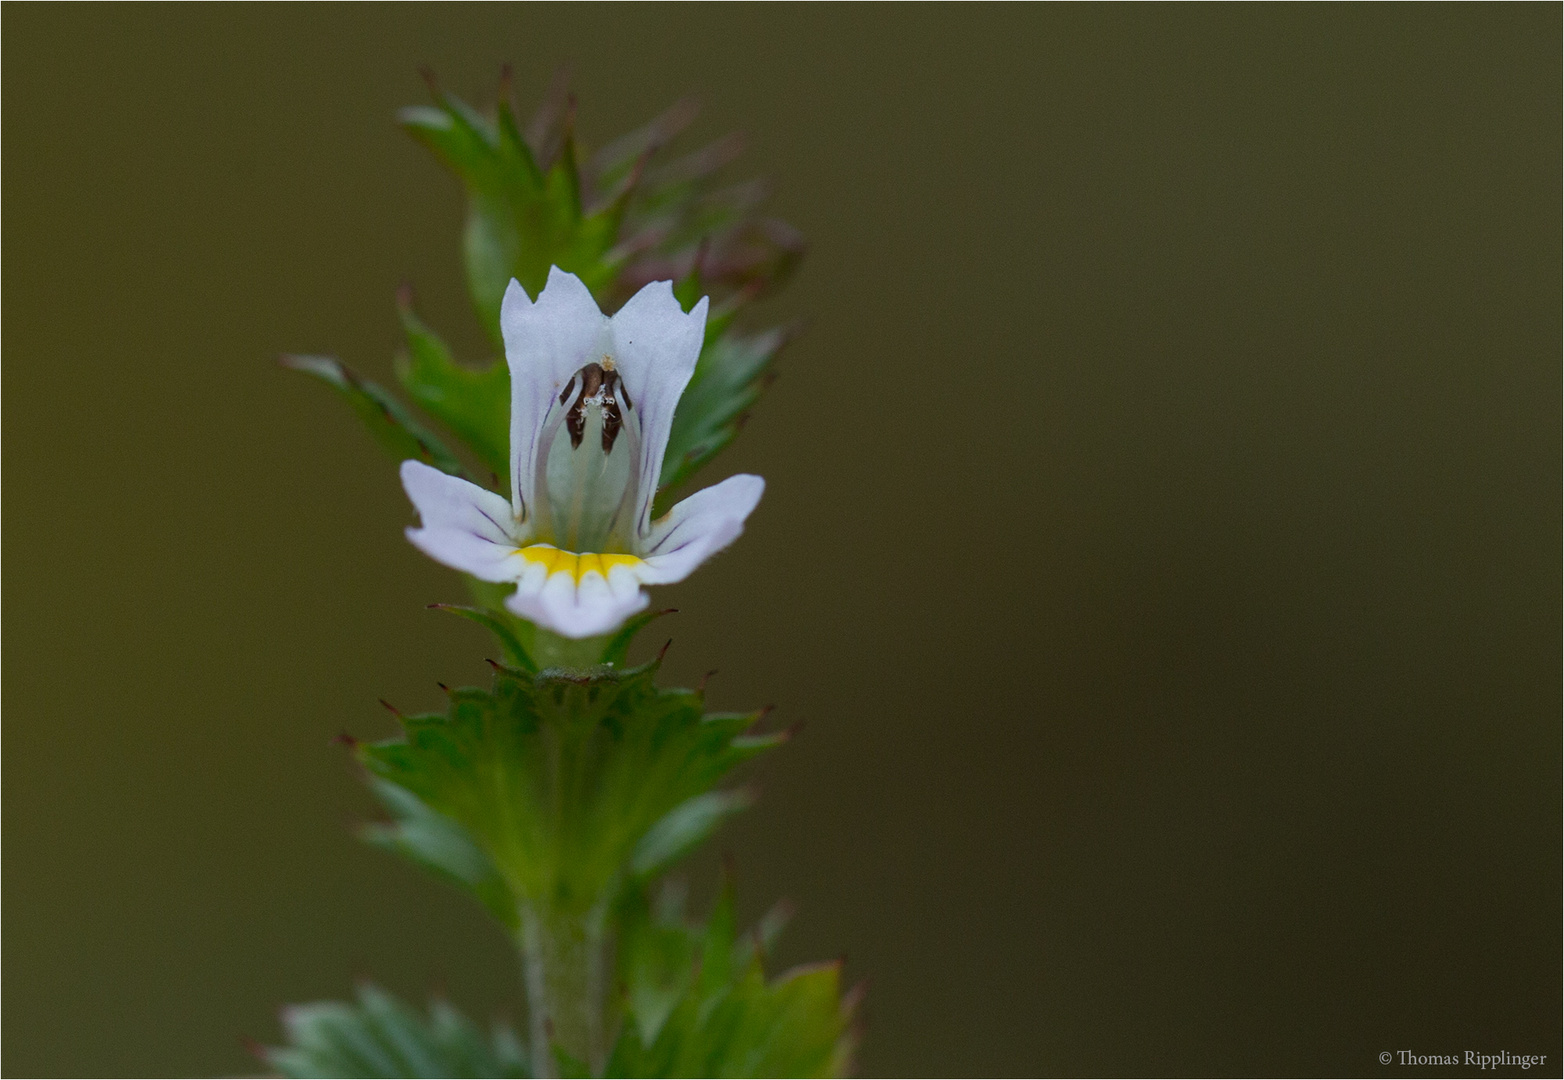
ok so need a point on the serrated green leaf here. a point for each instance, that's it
(460, 138)
(559, 777)
(388, 420)
(702, 1006)
(718, 948)
(492, 257)
(795, 1026)
(330, 1039)
(439, 845)
(520, 220)
(473, 403)
(380, 1036)
(683, 828)
(402, 1031)
(514, 150)
(657, 957)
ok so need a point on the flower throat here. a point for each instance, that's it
(588, 466)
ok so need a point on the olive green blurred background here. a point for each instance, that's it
(1162, 538)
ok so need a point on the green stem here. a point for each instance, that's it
(565, 964)
(550, 650)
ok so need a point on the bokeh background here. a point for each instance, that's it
(1162, 541)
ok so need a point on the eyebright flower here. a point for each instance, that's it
(592, 403)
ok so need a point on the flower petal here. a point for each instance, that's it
(594, 605)
(699, 527)
(464, 526)
(545, 344)
(655, 345)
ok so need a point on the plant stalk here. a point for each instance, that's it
(565, 966)
(552, 650)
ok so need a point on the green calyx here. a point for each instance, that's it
(532, 648)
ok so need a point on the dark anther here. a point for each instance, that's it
(612, 421)
(575, 419)
(597, 388)
(564, 395)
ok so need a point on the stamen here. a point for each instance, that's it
(612, 421)
(598, 383)
(575, 419)
(587, 497)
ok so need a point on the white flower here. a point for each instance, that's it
(592, 401)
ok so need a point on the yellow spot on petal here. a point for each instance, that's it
(554, 561)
